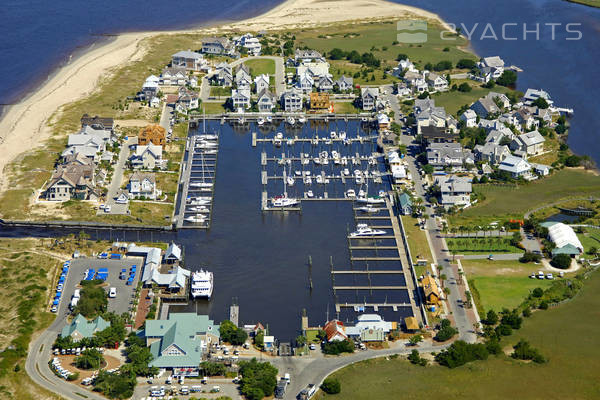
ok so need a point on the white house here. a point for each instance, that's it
(147, 157)
(261, 83)
(516, 166)
(532, 95)
(531, 143)
(291, 100)
(143, 184)
(470, 118)
(240, 98)
(344, 83)
(369, 98)
(491, 67)
(436, 82)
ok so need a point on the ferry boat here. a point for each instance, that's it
(202, 284)
(365, 230)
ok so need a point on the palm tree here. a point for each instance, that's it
(442, 279)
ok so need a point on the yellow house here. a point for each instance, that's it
(431, 290)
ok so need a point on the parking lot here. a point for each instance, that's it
(125, 293)
(226, 386)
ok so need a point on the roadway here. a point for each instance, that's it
(117, 178)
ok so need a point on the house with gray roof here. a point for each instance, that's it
(291, 100)
(454, 190)
(179, 342)
(217, 45)
(302, 55)
(240, 98)
(325, 83)
(441, 155)
(266, 101)
(532, 95)
(369, 98)
(531, 143)
(190, 60)
(469, 117)
(491, 153)
(81, 328)
(344, 83)
(173, 253)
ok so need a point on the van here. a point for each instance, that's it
(196, 388)
(112, 293)
(286, 377)
(184, 390)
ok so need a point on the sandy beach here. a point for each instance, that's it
(25, 125)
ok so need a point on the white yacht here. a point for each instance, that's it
(196, 219)
(202, 284)
(284, 201)
(350, 193)
(372, 200)
(365, 230)
(200, 209)
(367, 209)
(310, 194)
(198, 202)
(201, 184)
(260, 121)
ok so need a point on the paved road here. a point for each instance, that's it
(117, 178)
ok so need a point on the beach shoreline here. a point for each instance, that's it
(26, 125)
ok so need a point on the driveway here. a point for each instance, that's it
(116, 181)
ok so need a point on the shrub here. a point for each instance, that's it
(460, 353)
(466, 63)
(530, 257)
(491, 318)
(331, 386)
(524, 351)
(89, 359)
(543, 305)
(537, 292)
(415, 358)
(446, 331)
(338, 347)
(562, 261)
(508, 78)
(464, 87)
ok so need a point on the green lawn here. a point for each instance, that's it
(481, 245)
(501, 283)
(220, 91)
(566, 335)
(590, 238)
(213, 108)
(504, 202)
(167, 182)
(417, 242)
(345, 107)
(261, 66)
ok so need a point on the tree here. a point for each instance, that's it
(401, 57)
(331, 386)
(491, 318)
(464, 87)
(537, 292)
(338, 347)
(592, 250)
(540, 102)
(443, 66)
(213, 368)
(258, 379)
(115, 386)
(508, 78)
(301, 340)
(466, 63)
(446, 331)
(259, 339)
(89, 359)
(460, 353)
(415, 340)
(232, 334)
(530, 257)
(337, 54)
(524, 351)
(562, 261)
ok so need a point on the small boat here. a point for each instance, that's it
(307, 180)
(277, 142)
(198, 202)
(365, 230)
(201, 184)
(200, 209)
(369, 209)
(359, 180)
(279, 135)
(260, 121)
(357, 172)
(290, 181)
(208, 137)
(306, 160)
(290, 120)
(269, 119)
(361, 193)
(302, 119)
(372, 200)
(310, 194)
(328, 141)
(346, 171)
(201, 284)
(317, 160)
(241, 120)
(196, 219)
(307, 173)
(284, 201)
(350, 193)
(344, 161)
(342, 135)
(319, 178)
(298, 173)
(325, 161)
(333, 135)
(290, 142)
(315, 141)
(209, 151)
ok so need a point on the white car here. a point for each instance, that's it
(549, 276)
(107, 209)
(112, 293)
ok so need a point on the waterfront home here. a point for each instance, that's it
(179, 342)
(325, 83)
(217, 45)
(291, 100)
(187, 100)
(531, 143)
(490, 68)
(491, 153)
(335, 331)
(430, 290)
(368, 97)
(147, 157)
(240, 99)
(516, 166)
(405, 204)
(383, 121)
(175, 76)
(415, 81)
(173, 254)
(97, 122)
(81, 328)
(305, 83)
(470, 118)
(150, 88)
(173, 282)
(404, 66)
(454, 190)
(319, 101)
(370, 328)
(531, 95)
(266, 101)
(91, 136)
(302, 56)
(485, 106)
(541, 169)
(434, 134)
(190, 60)
(436, 82)
(142, 184)
(71, 181)
(525, 118)
(441, 155)
(122, 197)
(344, 83)
(154, 134)
(261, 83)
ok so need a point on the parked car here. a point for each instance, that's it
(549, 276)
(112, 293)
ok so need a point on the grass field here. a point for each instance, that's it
(261, 66)
(501, 283)
(417, 242)
(503, 202)
(590, 238)
(566, 335)
(217, 91)
(481, 246)
(213, 108)
(345, 107)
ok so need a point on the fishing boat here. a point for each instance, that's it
(260, 121)
(365, 230)
(201, 284)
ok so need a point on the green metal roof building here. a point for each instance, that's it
(179, 342)
(81, 328)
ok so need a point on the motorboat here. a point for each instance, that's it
(209, 151)
(359, 180)
(201, 184)
(302, 119)
(357, 172)
(196, 219)
(277, 142)
(198, 202)
(201, 284)
(333, 135)
(372, 200)
(200, 209)
(317, 160)
(344, 161)
(319, 178)
(307, 180)
(291, 120)
(315, 141)
(269, 119)
(290, 142)
(290, 181)
(298, 173)
(307, 173)
(260, 121)
(306, 161)
(350, 193)
(279, 135)
(367, 209)
(284, 201)
(208, 136)
(342, 135)
(310, 194)
(361, 193)
(346, 171)
(365, 230)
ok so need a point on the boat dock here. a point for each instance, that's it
(314, 140)
(197, 182)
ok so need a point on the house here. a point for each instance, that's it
(242, 71)
(383, 121)
(217, 45)
(470, 118)
(173, 254)
(436, 82)
(302, 56)
(427, 114)
(525, 118)
(325, 83)
(266, 101)
(223, 75)
(319, 101)
(433, 134)
(405, 204)
(430, 290)
(71, 181)
(491, 67)
(344, 83)
(454, 190)
(491, 153)
(142, 184)
(175, 281)
(179, 342)
(261, 83)
(147, 157)
(98, 122)
(150, 88)
(122, 197)
(564, 238)
(370, 328)
(531, 143)
(240, 98)
(81, 328)
(269, 343)
(250, 43)
(402, 89)
(485, 106)
(403, 66)
(175, 76)
(305, 83)
(416, 81)
(154, 134)
(531, 95)
(335, 331)
(441, 155)
(541, 169)
(291, 100)
(190, 60)
(187, 100)
(315, 69)
(368, 97)
(516, 166)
